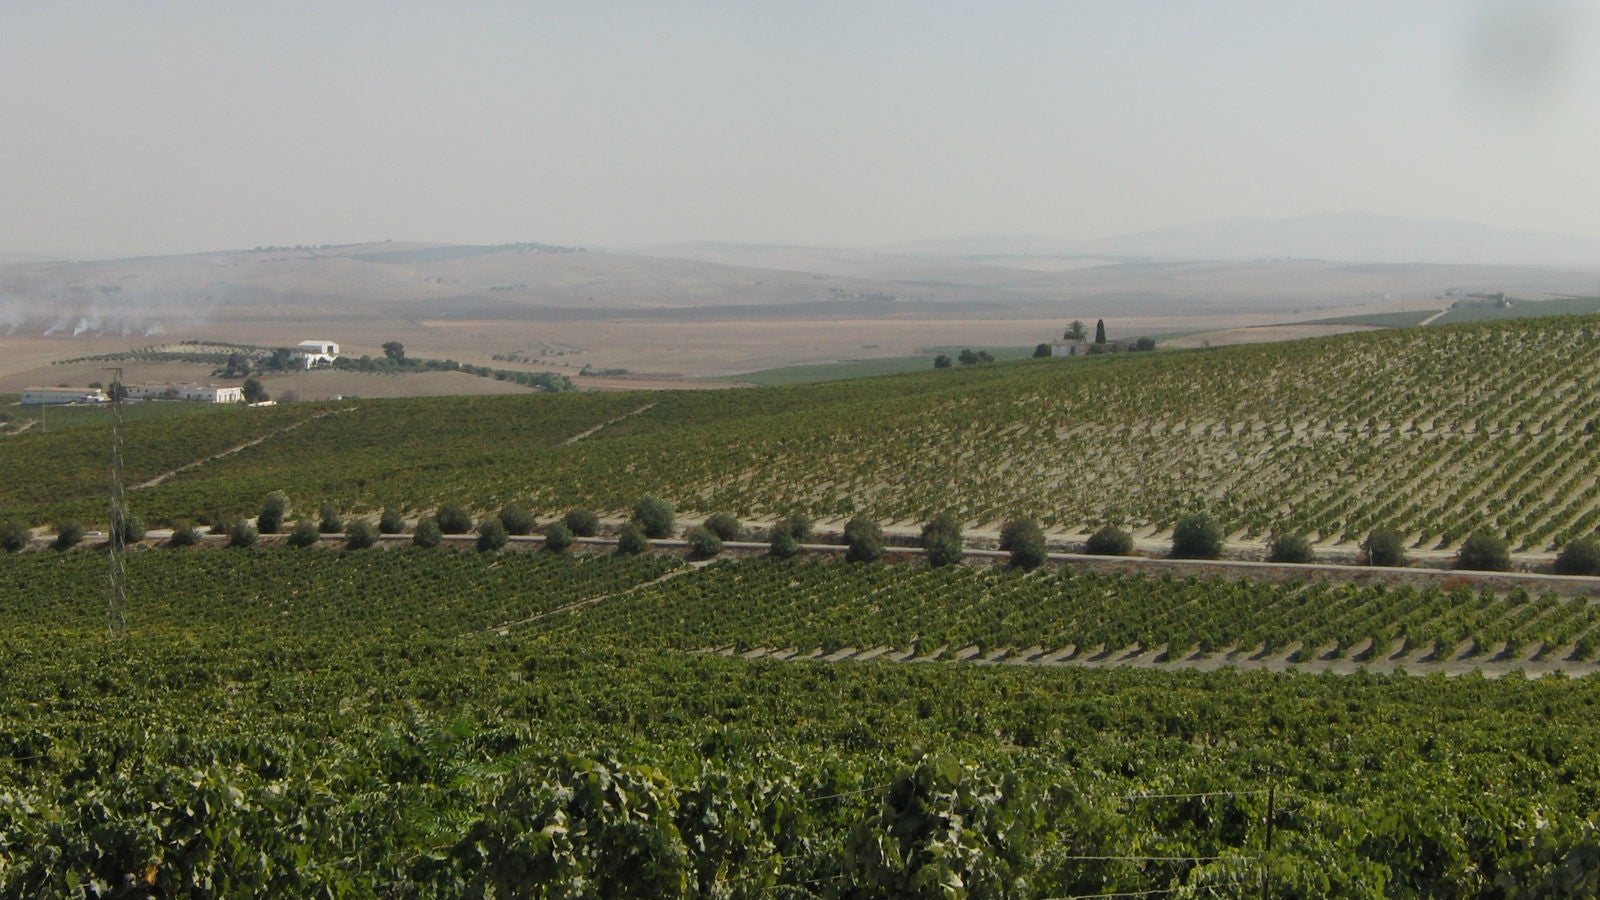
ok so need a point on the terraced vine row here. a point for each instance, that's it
(306, 723)
(923, 610)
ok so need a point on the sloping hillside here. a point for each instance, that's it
(1437, 432)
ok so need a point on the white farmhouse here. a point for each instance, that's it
(1069, 348)
(62, 396)
(317, 353)
(199, 393)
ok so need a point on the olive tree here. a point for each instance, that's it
(492, 534)
(1109, 541)
(1290, 548)
(655, 517)
(274, 507)
(1484, 552)
(1024, 540)
(1196, 536)
(516, 519)
(391, 521)
(453, 518)
(1579, 557)
(631, 540)
(304, 534)
(360, 534)
(14, 535)
(582, 522)
(1384, 547)
(863, 539)
(68, 535)
(725, 526)
(428, 534)
(703, 542)
(557, 537)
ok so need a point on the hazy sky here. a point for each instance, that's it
(165, 126)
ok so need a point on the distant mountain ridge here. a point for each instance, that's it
(1355, 237)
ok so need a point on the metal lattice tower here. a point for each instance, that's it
(117, 550)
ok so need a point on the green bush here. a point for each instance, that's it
(273, 509)
(492, 534)
(1579, 557)
(799, 525)
(360, 534)
(517, 519)
(863, 539)
(557, 537)
(941, 540)
(703, 542)
(1109, 541)
(242, 534)
(1290, 548)
(1024, 540)
(428, 534)
(304, 534)
(1196, 536)
(392, 521)
(330, 520)
(1484, 552)
(1383, 547)
(784, 544)
(68, 535)
(14, 535)
(582, 522)
(725, 526)
(453, 518)
(655, 516)
(185, 535)
(132, 529)
(632, 540)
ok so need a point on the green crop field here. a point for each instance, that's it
(370, 724)
(401, 722)
(1435, 432)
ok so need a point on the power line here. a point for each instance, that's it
(117, 580)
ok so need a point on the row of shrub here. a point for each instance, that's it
(1195, 536)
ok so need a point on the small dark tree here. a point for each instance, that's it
(967, 357)
(14, 535)
(863, 539)
(725, 526)
(631, 540)
(1290, 548)
(253, 391)
(242, 534)
(1579, 557)
(1041, 351)
(1077, 331)
(428, 534)
(330, 522)
(557, 537)
(304, 534)
(391, 521)
(1144, 344)
(132, 529)
(185, 535)
(1024, 539)
(1100, 331)
(360, 534)
(583, 522)
(1484, 552)
(452, 518)
(1383, 547)
(941, 539)
(273, 509)
(784, 544)
(799, 526)
(655, 516)
(1196, 536)
(703, 542)
(491, 534)
(68, 535)
(516, 519)
(942, 361)
(395, 351)
(1109, 541)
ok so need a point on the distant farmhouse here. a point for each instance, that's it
(1070, 348)
(198, 393)
(316, 353)
(62, 396)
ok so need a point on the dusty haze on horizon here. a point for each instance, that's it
(181, 126)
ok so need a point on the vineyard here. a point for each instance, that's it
(960, 613)
(1435, 432)
(322, 723)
